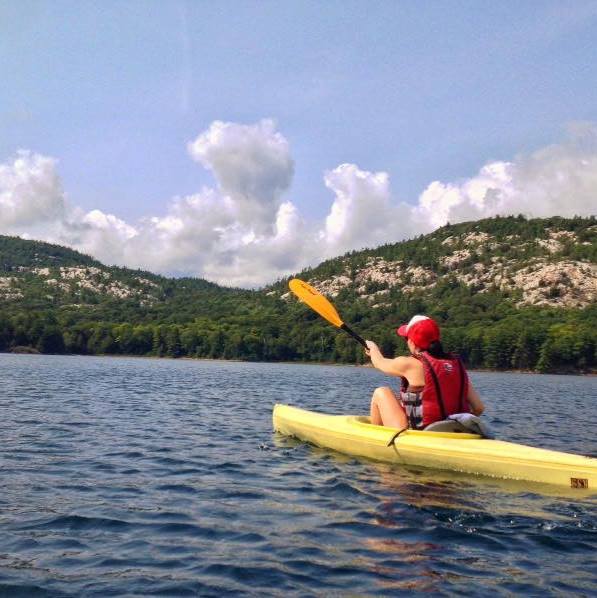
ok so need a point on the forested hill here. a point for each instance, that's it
(509, 293)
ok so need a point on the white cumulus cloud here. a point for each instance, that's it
(560, 179)
(363, 213)
(30, 191)
(245, 232)
(251, 164)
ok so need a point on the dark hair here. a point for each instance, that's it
(436, 350)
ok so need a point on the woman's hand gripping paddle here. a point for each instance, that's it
(317, 302)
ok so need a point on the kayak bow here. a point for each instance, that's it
(462, 452)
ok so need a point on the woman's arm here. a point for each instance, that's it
(394, 367)
(474, 401)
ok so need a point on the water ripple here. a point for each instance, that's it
(133, 477)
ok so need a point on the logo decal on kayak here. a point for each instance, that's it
(579, 483)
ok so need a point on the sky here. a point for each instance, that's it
(241, 141)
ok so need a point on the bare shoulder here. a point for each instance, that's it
(405, 364)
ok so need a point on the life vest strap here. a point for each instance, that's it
(461, 370)
(438, 390)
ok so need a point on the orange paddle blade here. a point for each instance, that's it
(317, 302)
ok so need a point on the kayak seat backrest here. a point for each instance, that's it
(447, 425)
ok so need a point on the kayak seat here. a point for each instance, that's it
(447, 425)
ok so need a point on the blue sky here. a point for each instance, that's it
(113, 92)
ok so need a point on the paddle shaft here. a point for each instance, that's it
(354, 335)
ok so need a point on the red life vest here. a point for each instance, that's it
(446, 388)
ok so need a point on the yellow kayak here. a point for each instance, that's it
(463, 452)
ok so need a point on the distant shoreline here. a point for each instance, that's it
(35, 353)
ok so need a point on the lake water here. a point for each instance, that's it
(162, 477)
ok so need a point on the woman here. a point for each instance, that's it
(434, 384)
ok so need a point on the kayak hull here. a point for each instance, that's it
(468, 453)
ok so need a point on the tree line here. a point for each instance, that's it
(533, 342)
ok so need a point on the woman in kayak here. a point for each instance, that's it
(434, 384)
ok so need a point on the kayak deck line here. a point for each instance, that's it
(455, 451)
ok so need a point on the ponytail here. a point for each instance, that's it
(436, 350)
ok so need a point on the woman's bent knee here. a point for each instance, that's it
(386, 408)
(381, 391)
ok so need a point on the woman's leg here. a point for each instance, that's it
(386, 410)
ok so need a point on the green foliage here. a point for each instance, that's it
(194, 318)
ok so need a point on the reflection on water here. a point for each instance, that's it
(140, 477)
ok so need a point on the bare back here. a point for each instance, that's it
(406, 367)
(414, 372)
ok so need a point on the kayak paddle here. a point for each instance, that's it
(317, 302)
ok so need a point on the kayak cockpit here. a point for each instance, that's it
(364, 422)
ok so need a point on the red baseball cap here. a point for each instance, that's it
(421, 330)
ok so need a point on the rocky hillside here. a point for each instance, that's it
(549, 262)
(77, 281)
(36, 275)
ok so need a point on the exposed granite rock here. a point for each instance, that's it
(8, 289)
(563, 284)
(541, 281)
